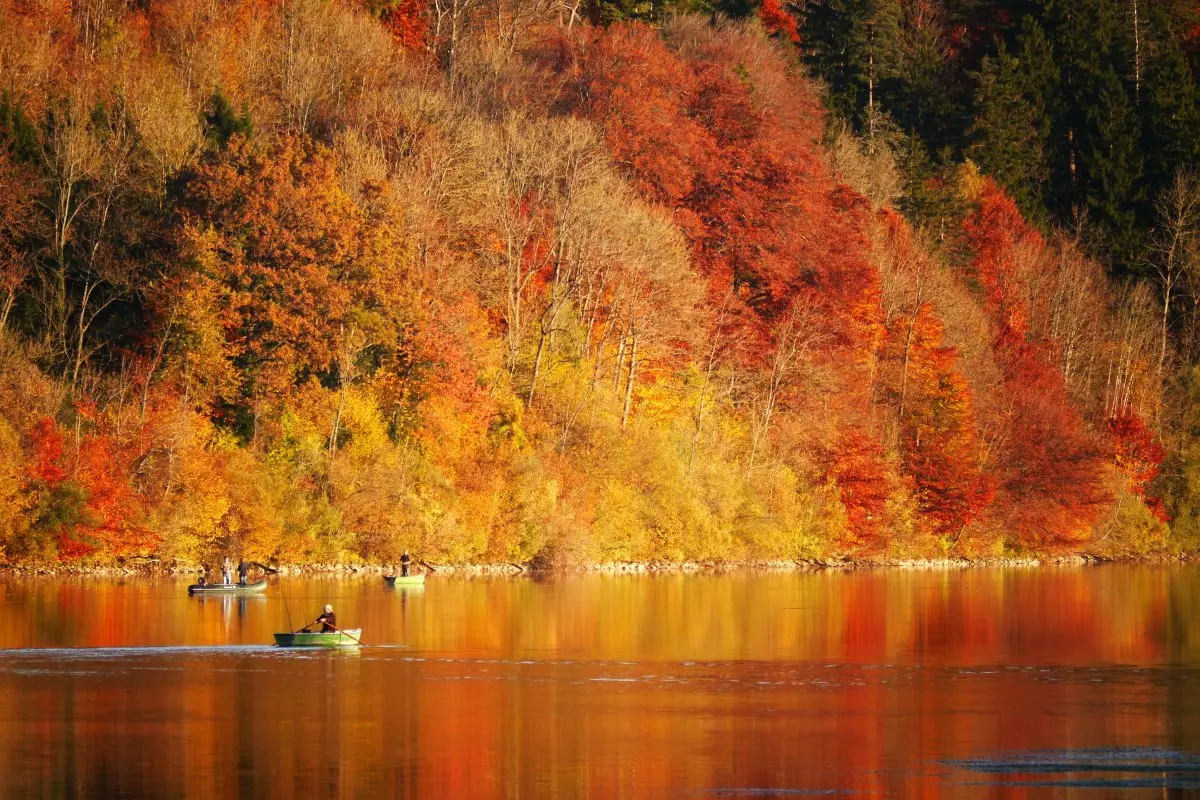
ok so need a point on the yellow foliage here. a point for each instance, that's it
(13, 505)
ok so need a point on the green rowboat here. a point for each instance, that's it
(405, 580)
(346, 638)
(228, 588)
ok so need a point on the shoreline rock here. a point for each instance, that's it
(182, 569)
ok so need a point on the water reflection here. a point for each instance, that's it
(1012, 683)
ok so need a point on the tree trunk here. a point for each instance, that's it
(620, 363)
(871, 88)
(1137, 56)
(632, 377)
(912, 321)
(537, 367)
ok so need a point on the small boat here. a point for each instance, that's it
(228, 588)
(405, 580)
(346, 638)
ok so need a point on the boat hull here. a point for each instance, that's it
(346, 638)
(228, 588)
(405, 580)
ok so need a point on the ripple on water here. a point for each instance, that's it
(1112, 767)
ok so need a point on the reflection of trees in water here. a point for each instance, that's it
(1183, 657)
(598, 685)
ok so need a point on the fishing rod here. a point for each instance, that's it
(286, 610)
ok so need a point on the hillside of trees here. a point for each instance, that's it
(538, 280)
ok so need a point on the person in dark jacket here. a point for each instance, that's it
(243, 571)
(328, 620)
(405, 560)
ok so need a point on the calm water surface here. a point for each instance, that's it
(977, 684)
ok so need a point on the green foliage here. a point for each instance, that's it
(1005, 140)
(1132, 530)
(17, 133)
(1170, 108)
(222, 123)
(850, 45)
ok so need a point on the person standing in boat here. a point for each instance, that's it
(405, 560)
(227, 571)
(243, 571)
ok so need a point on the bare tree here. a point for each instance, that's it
(1173, 249)
(88, 162)
(796, 334)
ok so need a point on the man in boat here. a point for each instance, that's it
(405, 560)
(227, 571)
(243, 571)
(328, 620)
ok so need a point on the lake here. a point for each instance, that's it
(1071, 682)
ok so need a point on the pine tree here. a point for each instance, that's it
(1170, 107)
(853, 45)
(924, 96)
(18, 135)
(1006, 140)
(1098, 157)
(221, 123)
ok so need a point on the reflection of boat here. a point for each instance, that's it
(228, 588)
(405, 580)
(346, 638)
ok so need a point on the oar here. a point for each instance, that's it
(348, 636)
(339, 630)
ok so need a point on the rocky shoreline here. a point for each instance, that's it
(176, 568)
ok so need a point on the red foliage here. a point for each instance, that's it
(47, 445)
(743, 173)
(1052, 473)
(407, 23)
(861, 472)
(1138, 456)
(98, 474)
(778, 21)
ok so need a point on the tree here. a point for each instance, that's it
(1099, 158)
(1006, 142)
(1051, 480)
(1170, 109)
(853, 45)
(281, 260)
(1175, 253)
(16, 208)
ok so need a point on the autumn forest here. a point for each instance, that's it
(559, 282)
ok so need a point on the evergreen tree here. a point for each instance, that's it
(1170, 107)
(17, 134)
(1006, 141)
(221, 123)
(1098, 155)
(853, 45)
(1110, 184)
(923, 94)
